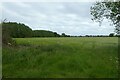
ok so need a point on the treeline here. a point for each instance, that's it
(18, 30)
(14, 30)
(44, 33)
(110, 35)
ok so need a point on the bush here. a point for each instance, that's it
(6, 39)
(111, 34)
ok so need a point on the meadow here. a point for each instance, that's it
(70, 57)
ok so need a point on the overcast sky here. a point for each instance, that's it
(63, 17)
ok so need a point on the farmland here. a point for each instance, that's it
(82, 57)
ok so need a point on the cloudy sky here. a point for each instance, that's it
(72, 18)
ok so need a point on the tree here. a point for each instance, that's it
(44, 33)
(111, 34)
(63, 35)
(56, 35)
(108, 10)
(5, 35)
(16, 30)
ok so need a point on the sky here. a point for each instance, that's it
(72, 18)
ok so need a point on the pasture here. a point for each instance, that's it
(71, 57)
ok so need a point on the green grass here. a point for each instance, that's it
(0, 50)
(62, 58)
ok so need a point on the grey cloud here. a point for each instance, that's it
(71, 18)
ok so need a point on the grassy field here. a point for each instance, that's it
(62, 58)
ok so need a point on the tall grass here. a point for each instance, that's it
(61, 58)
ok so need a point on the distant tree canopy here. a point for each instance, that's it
(64, 35)
(111, 34)
(19, 30)
(109, 10)
(44, 33)
(16, 30)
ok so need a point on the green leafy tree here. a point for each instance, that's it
(16, 30)
(109, 10)
(56, 34)
(6, 38)
(111, 34)
(63, 35)
(44, 33)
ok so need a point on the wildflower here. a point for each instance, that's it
(9, 44)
